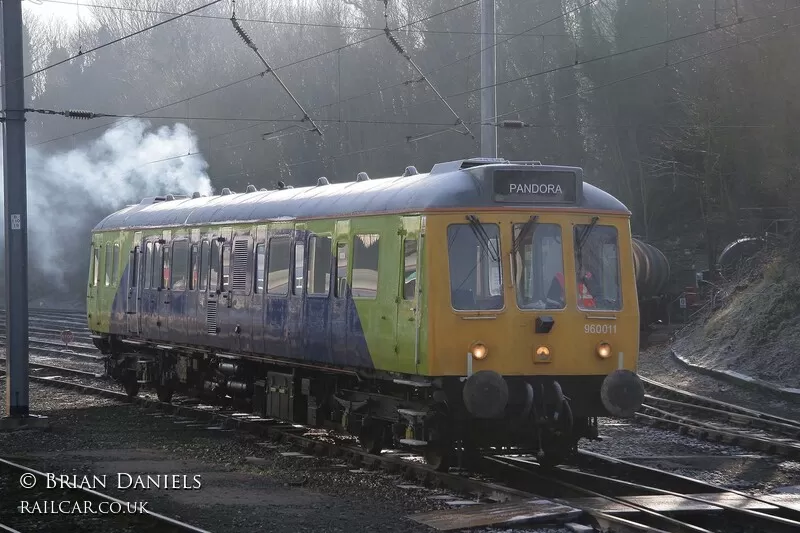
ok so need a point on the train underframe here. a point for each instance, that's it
(449, 420)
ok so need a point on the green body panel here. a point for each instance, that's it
(389, 322)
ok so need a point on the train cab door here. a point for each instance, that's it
(258, 289)
(408, 311)
(294, 312)
(163, 293)
(151, 281)
(134, 284)
(94, 279)
(212, 290)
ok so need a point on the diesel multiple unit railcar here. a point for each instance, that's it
(486, 304)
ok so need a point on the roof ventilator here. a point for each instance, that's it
(362, 176)
(410, 171)
(263, 189)
(196, 194)
(226, 191)
(281, 185)
(169, 197)
(323, 181)
(250, 188)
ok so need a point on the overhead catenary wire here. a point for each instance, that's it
(115, 41)
(249, 42)
(263, 73)
(402, 51)
(288, 22)
(553, 100)
(565, 66)
(572, 64)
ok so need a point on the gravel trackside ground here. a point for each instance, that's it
(247, 485)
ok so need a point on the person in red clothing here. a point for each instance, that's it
(585, 297)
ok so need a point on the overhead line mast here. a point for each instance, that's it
(15, 217)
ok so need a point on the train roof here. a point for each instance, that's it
(467, 184)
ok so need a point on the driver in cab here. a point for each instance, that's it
(587, 288)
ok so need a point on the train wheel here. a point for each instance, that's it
(438, 455)
(164, 393)
(131, 385)
(372, 437)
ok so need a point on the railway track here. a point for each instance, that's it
(26, 491)
(715, 421)
(649, 499)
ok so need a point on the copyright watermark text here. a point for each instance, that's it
(81, 507)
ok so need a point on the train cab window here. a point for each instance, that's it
(299, 267)
(226, 268)
(180, 265)
(205, 258)
(319, 265)
(341, 270)
(409, 268)
(278, 266)
(115, 265)
(258, 287)
(597, 267)
(193, 267)
(107, 264)
(213, 266)
(476, 277)
(365, 266)
(539, 266)
(148, 268)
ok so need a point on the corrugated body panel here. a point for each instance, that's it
(240, 253)
(211, 317)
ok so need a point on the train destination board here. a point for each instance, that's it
(535, 186)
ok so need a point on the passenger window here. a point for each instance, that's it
(193, 260)
(213, 270)
(180, 265)
(319, 265)
(134, 270)
(409, 268)
(205, 258)
(341, 270)
(259, 277)
(148, 269)
(597, 267)
(165, 268)
(539, 266)
(158, 265)
(107, 264)
(95, 266)
(115, 267)
(365, 266)
(226, 268)
(278, 271)
(299, 267)
(476, 278)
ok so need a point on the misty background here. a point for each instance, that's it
(686, 131)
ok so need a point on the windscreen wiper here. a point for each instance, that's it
(523, 234)
(585, 234)
(483, 238)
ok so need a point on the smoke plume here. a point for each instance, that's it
(69, 192)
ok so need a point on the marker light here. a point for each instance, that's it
(604, 350)
(479, 351)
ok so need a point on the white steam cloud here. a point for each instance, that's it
(71, 191)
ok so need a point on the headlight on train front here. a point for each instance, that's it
(604, 350)
(479, 350)
(542, 352)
